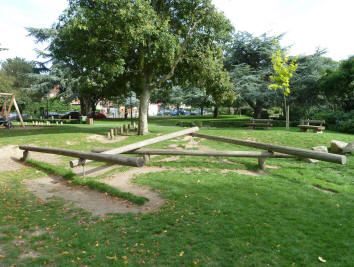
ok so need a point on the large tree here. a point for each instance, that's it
(145, 45)
(338, 85)
(250, 66)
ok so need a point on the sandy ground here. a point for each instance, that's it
(10, 155)
(99, 204)
(104, 139)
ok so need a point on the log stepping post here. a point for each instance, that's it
(112, 133)
(261, 163)
(25, 155)
(146, 158)
(121, 130)
(116, 131)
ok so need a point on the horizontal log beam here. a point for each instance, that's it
(298, 152)
(215, 153)
(128, 161)
(143, 143)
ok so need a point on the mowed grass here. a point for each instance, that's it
(210, 217)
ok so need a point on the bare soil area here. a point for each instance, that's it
(10, 155)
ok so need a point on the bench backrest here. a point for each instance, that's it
(309, 122)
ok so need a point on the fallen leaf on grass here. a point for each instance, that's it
(181, 253)
(115, 258)
(321, 259)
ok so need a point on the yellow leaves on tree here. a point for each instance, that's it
(283, 72)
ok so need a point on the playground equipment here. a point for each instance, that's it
(4, 113)
(112, 155)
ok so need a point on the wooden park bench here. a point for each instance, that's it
(266, 123)
(315, 125)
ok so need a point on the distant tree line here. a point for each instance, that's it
(172, 52)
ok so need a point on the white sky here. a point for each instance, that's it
(308, 24)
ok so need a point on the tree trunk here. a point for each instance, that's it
(216, 112)
(125, 112)
(201, 110)
(286, 114)
(84, 105)
(143, 111)
(177, 108)
(258, 111)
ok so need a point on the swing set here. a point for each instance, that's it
(5, 112)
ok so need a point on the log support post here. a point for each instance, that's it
(146, 159)
(261, 163)
(25, 155)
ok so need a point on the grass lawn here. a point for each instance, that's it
(210, 217)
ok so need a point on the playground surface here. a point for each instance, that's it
(202, 211)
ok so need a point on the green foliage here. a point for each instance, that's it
(54, 105)
(338, 85)
(305, 91)
(15, 77)
(337, 120)
(144, 45)
(249, 64)
(283, 72)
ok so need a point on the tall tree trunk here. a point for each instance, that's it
(286, 107)
(216, 112)
(84, 105)
(125, 112)
(201, 110)
(258, 111)
(143, 111)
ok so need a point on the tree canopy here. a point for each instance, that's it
(338, 85)
(144, 45)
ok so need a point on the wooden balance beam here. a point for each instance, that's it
(261, 155)
(140, 144)
(128, 161)
(297, 152)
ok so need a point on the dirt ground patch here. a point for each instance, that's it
(10, 155)
(104, 139)
(99, 204)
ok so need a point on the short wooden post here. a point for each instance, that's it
(25, 155)
(52, 117)
(116, 131)
(61, 123)
(127, 130)
(124, 127)
(69, 117)
(146, 159)
(121, 130)
(57, 122)
(261, 163)
(112, 133)
(128, 126)
(134, 125)
(33, 123)
(109, 135)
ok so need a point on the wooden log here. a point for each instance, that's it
(146, 159)
(298, 152)
(121, 130)
(261, 163)
(214, 153)
(116, 131)
(109, 135)
(147, 142)
(112, 133)
(128, 161)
